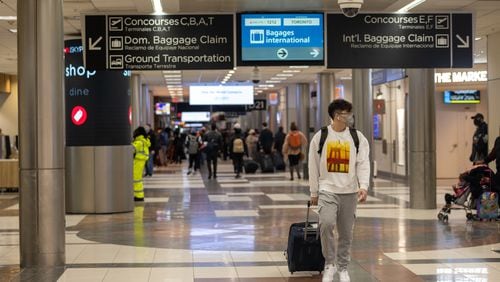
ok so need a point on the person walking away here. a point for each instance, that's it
(292, 147)
(480, 139)
(152, 150)
(213, 140)
(339, 175)
(279, 140)
(193, 143)
(252, 144)
(141, 156)
(238, 148)
(164, 142)
(266, 139)
(178, 146)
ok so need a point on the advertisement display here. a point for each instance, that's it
(462, 97)
(195, 116)
(97, 102)
(441, 40)
(162, 109)
(159, 42)
(221, 94)
(280, 39)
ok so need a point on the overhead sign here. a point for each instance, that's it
(221, 94)
(441, 40)
(258, 105)
(97, 103)
(280, 39)
(159, 42)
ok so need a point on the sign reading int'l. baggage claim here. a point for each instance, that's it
(443, 40)
(159, 42)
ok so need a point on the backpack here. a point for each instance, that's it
(324, 134)
(238, 146)
(193, 145)
(294, 140)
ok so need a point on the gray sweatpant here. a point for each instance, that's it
(337, 210)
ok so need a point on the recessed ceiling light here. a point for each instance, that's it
(173, 79)
(279, 78)
(172, 71)
(478, 38)
(272, 81)
(8, 18)
(172, 75)
(284, 74)
(13, 30)
(299, 67)
(291, 71)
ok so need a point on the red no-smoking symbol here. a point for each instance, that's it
(78, 115)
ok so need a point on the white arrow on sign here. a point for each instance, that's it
(314, 53)
(465, 43)
(93, 46)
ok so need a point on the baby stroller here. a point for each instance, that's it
(470, 186)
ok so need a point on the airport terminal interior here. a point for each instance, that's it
(78, 218)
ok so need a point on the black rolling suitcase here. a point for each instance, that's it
(278, 161)
(250, 166)
(266, 163)
(304, 247)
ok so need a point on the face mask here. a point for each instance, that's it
(350, 120)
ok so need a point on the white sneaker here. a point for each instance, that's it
(329, 272)
(344, 276)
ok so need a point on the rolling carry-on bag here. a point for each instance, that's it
(250, 166)
(266, 163)
(279, 163)
(304, 246)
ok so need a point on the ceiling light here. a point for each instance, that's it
(231, 71)
(410, 6)
(285, 74)
(174, 82)
(13, 30)
(173, 78)
(272, 81)
(299, 67)
(172, 71)
(279, 78)
(8, 18)
(478, 38)
(172, 75)
(157, 6)
(260, 91)
(291, 71)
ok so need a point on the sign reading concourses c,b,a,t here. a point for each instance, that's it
(159, 42)
(443, 40)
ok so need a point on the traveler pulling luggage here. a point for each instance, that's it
(304, 246)
(250, 166)
(266, 163)
(278, 161)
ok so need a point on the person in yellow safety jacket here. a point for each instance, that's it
(141, 154)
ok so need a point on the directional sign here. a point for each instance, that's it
(441, 40)
(280, 39)
(159, 42)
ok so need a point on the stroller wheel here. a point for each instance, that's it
(440, 216)
(469, 216)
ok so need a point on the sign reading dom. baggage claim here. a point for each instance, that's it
(441, 40)
(159, 42)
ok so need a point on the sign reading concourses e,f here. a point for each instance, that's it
(159, 42)
(221, 94)
(443, 40)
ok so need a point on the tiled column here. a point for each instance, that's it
(493, 118)
(422, 139)
(326, 89)
(41, 128)
(136, 101)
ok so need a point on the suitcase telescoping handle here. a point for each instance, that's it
(306, 227)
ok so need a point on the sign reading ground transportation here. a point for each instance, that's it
(280, 39)
(443, 40)
(159, 42)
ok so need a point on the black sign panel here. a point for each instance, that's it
(400, 41)
(258, 105)
(97, 102)
(159, 42)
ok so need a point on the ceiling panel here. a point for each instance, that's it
(117, 5)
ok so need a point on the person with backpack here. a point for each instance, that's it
(292, 147)
(238, 148)
(339, 176)
(193, 143)
(213, 141)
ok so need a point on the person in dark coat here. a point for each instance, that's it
(479, 140)
(279, 139)
(266, 139)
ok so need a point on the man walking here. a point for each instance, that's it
(339, 174)
(214, 142)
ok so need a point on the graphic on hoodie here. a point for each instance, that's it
(338, 154)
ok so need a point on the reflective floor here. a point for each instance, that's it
(194, 229)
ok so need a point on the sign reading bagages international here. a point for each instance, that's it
(159, 42)
(441, 40)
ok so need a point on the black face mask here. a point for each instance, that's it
(477, 122)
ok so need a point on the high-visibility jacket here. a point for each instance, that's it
(141, 148)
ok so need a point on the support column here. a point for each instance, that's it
(493, 118)
(303, 108)
(422, 139)
(136, 101)
(146, 105)
(362, 101)
(326, 89)
(291, 106)
(273, 121)
(41, 127)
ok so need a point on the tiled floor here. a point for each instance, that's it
(194, 229)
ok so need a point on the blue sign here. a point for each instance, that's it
(280, 39)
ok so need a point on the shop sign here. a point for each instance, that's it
(461, 76)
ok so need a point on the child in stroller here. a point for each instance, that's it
(471, 185)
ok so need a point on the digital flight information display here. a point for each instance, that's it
(280, 39)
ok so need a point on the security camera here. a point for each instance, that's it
(350, 8)
(255, 75)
